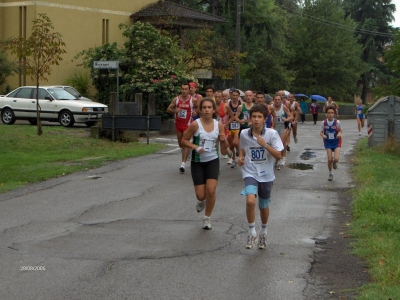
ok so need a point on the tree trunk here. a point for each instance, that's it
(38, 122)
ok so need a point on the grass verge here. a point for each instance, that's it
(376, 225)
(27, 158)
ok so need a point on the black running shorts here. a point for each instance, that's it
(201, 171)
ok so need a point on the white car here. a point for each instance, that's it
(56, 105)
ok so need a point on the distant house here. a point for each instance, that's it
(90, 23)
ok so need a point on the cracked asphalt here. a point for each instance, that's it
(129, 230)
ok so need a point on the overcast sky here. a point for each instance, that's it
(396, 23)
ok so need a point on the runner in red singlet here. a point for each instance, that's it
(182, 107)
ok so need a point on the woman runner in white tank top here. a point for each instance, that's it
(206, 133)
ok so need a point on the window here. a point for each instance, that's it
(105, 31)
(22, 34)
(24, 93)
(42, 94)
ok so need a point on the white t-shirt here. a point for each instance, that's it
(258, 162)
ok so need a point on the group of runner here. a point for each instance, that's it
(253, 134)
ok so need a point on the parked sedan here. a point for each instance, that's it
(56, 105)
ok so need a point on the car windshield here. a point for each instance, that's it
(61, 94)
(72, 91)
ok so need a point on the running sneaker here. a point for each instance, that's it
(262, 241)
(277, 166)
(229, 161)
(230, 154)
(207, 224)
(282, 161)
(224, 156)
(237, 152)
(334, 165)
(182, 169)
(359, 133)
(251, 240)
(200, 205)
(295, 139)
(330, 178)
(287, 148)
(233, 164)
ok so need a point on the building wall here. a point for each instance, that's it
(83, 24)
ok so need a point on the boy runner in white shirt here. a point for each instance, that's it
(259, 148)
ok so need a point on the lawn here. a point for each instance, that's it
(27, 158)
(376, 225)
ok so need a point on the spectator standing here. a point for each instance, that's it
(314, 110)
(304, 108)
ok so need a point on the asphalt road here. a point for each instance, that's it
(133, 231)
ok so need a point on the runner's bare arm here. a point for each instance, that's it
(275, 153)
(187, 135)
(339, 134)
(241, 157)
(273, 114)
(288, 113)
(231, 115)
(172, 107)
(196, 103)
(222, 139)
(238, 112)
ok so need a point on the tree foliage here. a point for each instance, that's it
(204, 48)
(326, 54)
(265, 36)
(392, 62)
(7, 67)
(149, 63)
(373, 18)
(38, 53)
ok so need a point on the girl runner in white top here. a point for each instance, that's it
(206, 133)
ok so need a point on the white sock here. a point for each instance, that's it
(263, 229)
(205, 218)
(252, 229)
(183, 164)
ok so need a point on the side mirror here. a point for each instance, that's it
(48, 98)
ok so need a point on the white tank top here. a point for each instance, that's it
(207, 140)
(280, 114)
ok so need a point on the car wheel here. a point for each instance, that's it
(66, 118)
(7, 116)
(90, 124)
(32, 121)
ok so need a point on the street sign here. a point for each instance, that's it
(105, 64)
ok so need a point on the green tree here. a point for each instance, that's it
(392, 62)
(327, 56)
(373, 18)
(6, 67)
(265, 41)
(204, 48)
(152, 64)
(149, 63)
(103, 80)
(38, 53)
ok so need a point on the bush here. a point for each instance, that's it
(80, 81)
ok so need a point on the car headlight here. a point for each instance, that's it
(87, 109)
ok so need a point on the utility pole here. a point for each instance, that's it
(238, 46)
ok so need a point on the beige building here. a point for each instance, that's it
(83, 24)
